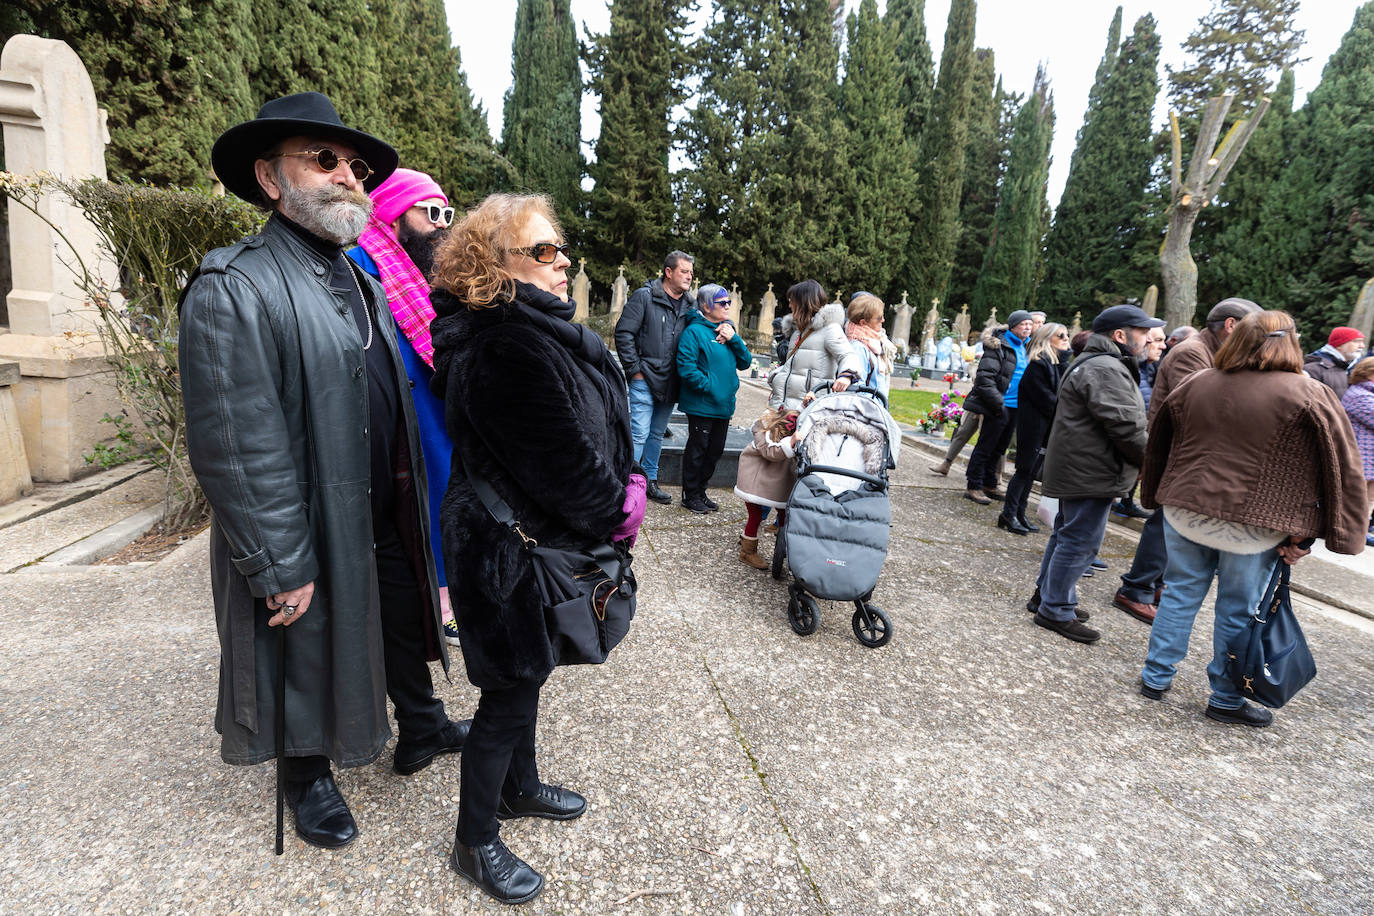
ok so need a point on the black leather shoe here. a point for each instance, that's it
(1033, 607)
(322, 816)
(1012, 525)
(553, 802)
(710, 503)
(1253, 716)
(497, 870)
(1069, 629)
(652, 491)
(414, 756)
(1153, 693)
(1027, 525)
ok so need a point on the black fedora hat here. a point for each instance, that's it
(303, 114)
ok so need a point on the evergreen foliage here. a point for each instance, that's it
(542, 121)
(316, 48)
(941, 163)
(878, 182)
(989, 132)
(1238, 46)
(915, 64)
(638, 69)
(1100, 218)
(1317, 224)
(1010, 267)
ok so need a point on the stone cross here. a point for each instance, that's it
(736, 304)
(767, 309)
(581, 292)
(52, 124)
(962, 323)
(901, 325)
(619, 293)
(992, 320)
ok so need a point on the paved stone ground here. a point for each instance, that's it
(976, 764)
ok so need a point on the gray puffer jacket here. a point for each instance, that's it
(1097, 442)
(823, 354)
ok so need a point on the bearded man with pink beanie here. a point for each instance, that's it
(410, 217)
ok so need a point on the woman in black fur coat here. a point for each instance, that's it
(537, 407)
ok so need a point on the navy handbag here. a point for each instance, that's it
(1269, 661)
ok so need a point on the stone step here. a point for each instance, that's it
(34, 539)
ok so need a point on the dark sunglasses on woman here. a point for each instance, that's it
(544, 252)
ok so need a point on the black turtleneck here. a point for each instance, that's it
(383, 397)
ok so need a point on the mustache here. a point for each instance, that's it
(338, 194)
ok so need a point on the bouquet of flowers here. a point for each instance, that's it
(949, 410)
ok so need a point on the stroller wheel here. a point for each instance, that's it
(779, 555)
(803, 613)
(872, 626)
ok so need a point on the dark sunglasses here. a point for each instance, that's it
(328, 160)
(439, 216)
(544, 252)
(720, 303)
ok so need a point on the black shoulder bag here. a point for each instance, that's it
(1269, 660)
(588, 594)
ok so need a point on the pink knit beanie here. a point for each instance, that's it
(399, 193)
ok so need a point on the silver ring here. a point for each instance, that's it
(288, 610)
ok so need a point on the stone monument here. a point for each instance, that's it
(928, 332)
(1077, 325)
(1362, 317)
(581, 292)
(767, 308)
(736, 305)
(992, 320)
(962, 325)
(1151, 300)
(901, 325)
(52, 123)
(619, 293)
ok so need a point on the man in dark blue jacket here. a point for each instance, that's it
(646, 342)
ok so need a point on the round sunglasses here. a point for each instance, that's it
(328, 161)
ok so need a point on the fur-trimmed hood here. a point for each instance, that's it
(992, 336)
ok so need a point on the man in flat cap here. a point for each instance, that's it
(1142, 583)
(302, 435)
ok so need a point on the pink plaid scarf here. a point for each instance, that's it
(407, 292)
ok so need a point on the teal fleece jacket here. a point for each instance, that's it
(707, 369)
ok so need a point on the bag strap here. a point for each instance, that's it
(800, 340)
(499, 508)
(1275, 593)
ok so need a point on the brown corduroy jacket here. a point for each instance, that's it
(1272, 449)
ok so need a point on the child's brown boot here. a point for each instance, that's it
(749, 553)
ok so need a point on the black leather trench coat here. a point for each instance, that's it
(273, 379)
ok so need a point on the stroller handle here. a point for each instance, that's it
(859, 389)
(846, 472)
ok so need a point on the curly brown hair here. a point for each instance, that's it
(471, 262)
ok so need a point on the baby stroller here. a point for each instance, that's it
(834, 535)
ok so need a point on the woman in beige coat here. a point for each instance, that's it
(765, 477)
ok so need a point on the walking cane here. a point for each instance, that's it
(281, 731)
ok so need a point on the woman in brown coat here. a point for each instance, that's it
(1251, 461)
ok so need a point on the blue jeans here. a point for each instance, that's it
(648, 420)
(1151, 559)
(1241, 580)
(1078, 530)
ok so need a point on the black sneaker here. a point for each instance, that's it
(710, 503)
(695, 504)
(653, 492)
(1253, 716)
(1069, 629)
(1153, 693)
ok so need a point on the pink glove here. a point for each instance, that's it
(633, 508)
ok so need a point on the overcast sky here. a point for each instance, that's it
(1068, 35)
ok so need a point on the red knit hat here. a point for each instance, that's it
(1342, 336)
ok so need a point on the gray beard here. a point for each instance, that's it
(334, 213)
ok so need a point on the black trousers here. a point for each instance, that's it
(993, 439)
(1018, 491)
(705, 442)
(498, 759)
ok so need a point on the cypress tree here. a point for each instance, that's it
(1100, 215)
(1316, 225)
(878, 164)
(732, 141)
(942, 160)
(1007, 280)
(988, 134)
(916, 67)
(1238, 46)
(542, 124)
(637, 70)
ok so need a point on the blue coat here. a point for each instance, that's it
(707, 369)
(429, 411)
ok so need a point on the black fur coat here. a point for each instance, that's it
(549, 430)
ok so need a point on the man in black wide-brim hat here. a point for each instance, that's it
(301, 431)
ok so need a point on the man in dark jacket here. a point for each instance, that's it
(1331, 364)
(1096, 446)
(303, 436)
(994, 395)
(646, 343)
(1142, 583)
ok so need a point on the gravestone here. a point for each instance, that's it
(962, 325)
(619, 293)
(1077, 325)
(1362, 317)
(736, 304)
(52, 124)
(901, 326)
(928, 332)
(1151, 301)
(992, 320)
(767, 310)
(581, 292)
